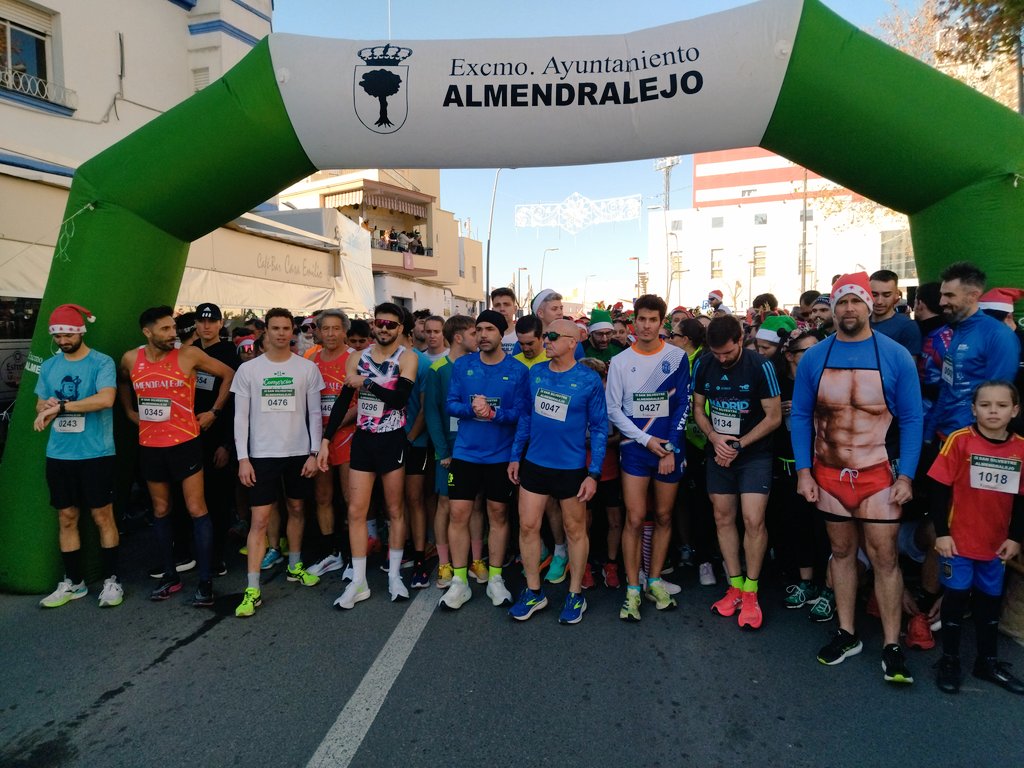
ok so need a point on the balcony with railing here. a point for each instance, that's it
(25, 84)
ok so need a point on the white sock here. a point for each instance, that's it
(395, 562)
(561, 550)
(358, 570)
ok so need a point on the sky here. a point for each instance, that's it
(602, 250)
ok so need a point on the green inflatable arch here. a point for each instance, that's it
(787, 75)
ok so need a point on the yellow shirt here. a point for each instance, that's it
(541, 358)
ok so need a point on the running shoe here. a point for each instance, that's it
(729, 604)
(165, 589)
(799, 595)
(750, 611)
(203, 597)
(64, 593)
(112, 593)
(498, 592)
(326, 564)
(301, 575)
(272, 558)
(630, 610)
(842, 646)
(919, 633)
(445, 572)
(948, 677)
(658, 595)
(220, 569)
(574, 608)
(397, 589)
(588, 578)
(529, 603)
(995, 671)
(610, 573)
(686, 555)
(556, 573)
(668, 566)
(354, 593)
(671, 587)
(456, 596)
(894, 666)
(251, 600)
(824, 608)
(478, 570)
(707, 575)
(184, 566)
(420, 577)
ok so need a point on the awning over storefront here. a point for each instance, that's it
(339, 199)
(399, 206)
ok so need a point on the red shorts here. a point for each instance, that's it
(852, 486)
(341, 446)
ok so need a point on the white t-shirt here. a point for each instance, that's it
(277, 408)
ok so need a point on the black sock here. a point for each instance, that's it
(108, 559)
(926, 600)
(986, 623)
(326, 545)
(164, 531)
(73, 565)
(954, 604)
(202, 532)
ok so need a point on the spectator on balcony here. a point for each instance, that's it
(403, 241)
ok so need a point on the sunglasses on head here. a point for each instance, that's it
(389, 324)
(553, 335)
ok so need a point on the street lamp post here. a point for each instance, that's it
(583, 305)
(637, 260)
(490, 227)
(519, 286)
(543, 258)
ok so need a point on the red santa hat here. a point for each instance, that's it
(1001, 299)
(70, 318)
(716, 294)
(856, 283)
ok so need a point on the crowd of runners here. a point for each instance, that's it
(864, 450)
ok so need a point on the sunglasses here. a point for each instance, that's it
(554, 336)
(389, 324)
(306, 328)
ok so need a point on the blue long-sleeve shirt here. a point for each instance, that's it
(982, 348)
(563, 405)
(486, 441)
(900, 386)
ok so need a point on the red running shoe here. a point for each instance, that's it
(727, 605)
(750, 611)
(610, 571)
(919, 633)
(588, 578)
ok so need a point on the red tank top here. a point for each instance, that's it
(334, 380)
(166, 397)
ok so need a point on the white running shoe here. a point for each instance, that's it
(672, 589)
(64, 593)
(397, 588)
(707, 575)
(457, 595)
(498, 592)
(354, 593)
(112, 593)
(327, 564)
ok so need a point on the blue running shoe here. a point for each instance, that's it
(573, 610)
(272, 558)
(529, 603)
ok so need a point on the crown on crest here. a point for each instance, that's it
(386, 55)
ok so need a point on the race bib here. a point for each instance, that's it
(370, 406)
(494, 402)
(551, 405)
(327, 404)
(652, 405)
(725, 422)
(277, 400)
(947, 369)
(69, 423)
(205, 380)
(453, 424)
(154, 409)
(989, 473)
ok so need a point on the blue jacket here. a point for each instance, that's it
(982, 348)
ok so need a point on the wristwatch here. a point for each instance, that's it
(736, 445)
(215, 412)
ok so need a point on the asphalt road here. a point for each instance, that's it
(402, 684)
